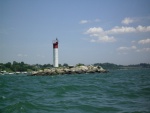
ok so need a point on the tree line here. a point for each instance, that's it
(115, 66)
(22, 67)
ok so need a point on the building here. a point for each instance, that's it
(55, 53)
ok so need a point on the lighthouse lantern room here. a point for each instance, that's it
(55, 53)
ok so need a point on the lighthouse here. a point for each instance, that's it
(55, 53)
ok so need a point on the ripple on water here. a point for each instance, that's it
(114, 92)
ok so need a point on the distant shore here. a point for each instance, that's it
(28, 69)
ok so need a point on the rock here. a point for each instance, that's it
(34, 73)
(59, 71)
(72, 70)
(40, 71)
(83, 68)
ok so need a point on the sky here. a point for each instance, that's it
(89, 31)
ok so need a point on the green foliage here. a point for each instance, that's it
(2, 67)
(108, 65)
(60, 65)
(8, 65)
(79, 64)
(44, 66)
(8, 70)
(22, 67)
(65, 65)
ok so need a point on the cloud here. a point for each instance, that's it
(40, 56)
(100, 35)
(133, 41)
(119, 30)
(123, 29)
(107, 39)
(145, 41)
(124, 48)
(89, 21)
(103, 39)
(95, 30)
(97, 20)
(19, 55)
(143, 28)
(22, 55)
(127, 21)
(143, 50)
(84, 21)
(104, 35)
(133, 47)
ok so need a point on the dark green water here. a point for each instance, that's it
(119, 91)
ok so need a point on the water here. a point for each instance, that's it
(119, 91)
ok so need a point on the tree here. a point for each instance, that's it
(22, 63)
(2, 67)
(80, 64)
(60, 65)
(15, 63)
(8, 65)
(65, 65)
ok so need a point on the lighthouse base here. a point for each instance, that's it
(55, 57)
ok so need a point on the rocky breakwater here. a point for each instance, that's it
(69, 70)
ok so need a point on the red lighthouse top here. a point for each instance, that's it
(55, 43)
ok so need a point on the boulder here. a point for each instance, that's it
(72, 70)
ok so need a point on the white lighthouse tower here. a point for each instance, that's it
(55, 53)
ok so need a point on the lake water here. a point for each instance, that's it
(119, 91)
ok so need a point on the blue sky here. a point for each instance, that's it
(89, 31)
